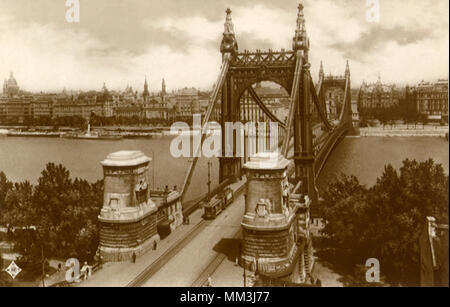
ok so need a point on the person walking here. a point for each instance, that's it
(133, 257)
(84, 270)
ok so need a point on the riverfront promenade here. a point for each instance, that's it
(120, 274)
(405, 131)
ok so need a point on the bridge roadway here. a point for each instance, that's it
(194, 262)
(188, 255)
(183, 258)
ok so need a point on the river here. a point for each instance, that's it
(23, 158)
(366, 157)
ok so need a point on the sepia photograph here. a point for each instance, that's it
(224, 149)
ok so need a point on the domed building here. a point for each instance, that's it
(10, 86)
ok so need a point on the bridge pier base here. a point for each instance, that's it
(304, 172)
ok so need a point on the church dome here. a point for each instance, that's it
(10, 87)
(11, 81)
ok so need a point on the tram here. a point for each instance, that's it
(213, 208)
(218, 203)
(227, 196)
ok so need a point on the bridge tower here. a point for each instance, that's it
(303, 144)
(278, 197)
(230, 167)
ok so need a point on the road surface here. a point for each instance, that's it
(217, 238)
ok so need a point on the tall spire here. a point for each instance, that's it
(145, 94)
(321, 73)
(347, 69)
(163, 87)
(300, 41)
(106, 95)
(229, 44)
(228, 26)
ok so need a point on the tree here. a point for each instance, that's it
(18, 205)
(5, 187)
(385, 221)
(58, 217)
(344, 208)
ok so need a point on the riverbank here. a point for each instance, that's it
(128, 132)
(405, 131)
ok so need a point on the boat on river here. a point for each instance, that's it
(91, 136)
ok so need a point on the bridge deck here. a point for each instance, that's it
(120, 274)
(185, 267)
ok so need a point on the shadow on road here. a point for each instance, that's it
(228, 247)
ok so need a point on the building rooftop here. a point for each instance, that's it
(125, 158)
(187, 92)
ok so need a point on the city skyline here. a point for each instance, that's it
(224, 144)
(179, 41)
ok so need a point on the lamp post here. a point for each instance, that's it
(153, 169)
(43, 265)
(209, 179)
(245, 276)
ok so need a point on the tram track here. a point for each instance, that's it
(219, 258)
(167, 255)
(214, 264)
(154, 267)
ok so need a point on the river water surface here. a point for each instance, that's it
(23, 158)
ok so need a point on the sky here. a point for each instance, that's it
(120, 42)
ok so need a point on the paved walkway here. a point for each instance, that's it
(327, 276)
(228, 274)
(119, 274)
(405, 130)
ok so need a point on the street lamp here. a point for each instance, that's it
(209, 179)
(153, 169)
(43, 265)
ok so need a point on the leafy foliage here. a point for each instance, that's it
(5, 187)
(57, 217)
(385, 221)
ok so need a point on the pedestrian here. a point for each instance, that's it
(209, 283)
(133, 257)
(84, 270)
(154, 245)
